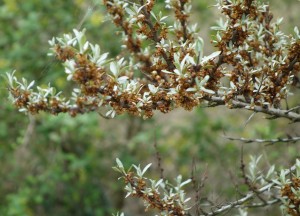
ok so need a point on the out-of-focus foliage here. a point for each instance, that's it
(45, 168)
(62, 166)
(27, 26)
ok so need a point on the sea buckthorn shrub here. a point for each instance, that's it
(255, 66)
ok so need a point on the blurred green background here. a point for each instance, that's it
(62, 166)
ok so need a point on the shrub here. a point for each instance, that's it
(255, 67)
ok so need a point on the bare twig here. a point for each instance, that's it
(249, 119)
(198, 185)
(267, 141)
(22, 152)
(29, 131)
(278, 113)
(158, 157)
(262, 204)
(293, 109)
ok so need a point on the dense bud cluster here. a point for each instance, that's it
(255, 63)
(290, 192)
(160, 195)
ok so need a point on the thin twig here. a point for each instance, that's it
(29, 131)
(235, 104)
(249, 119)
(247, 197)
(267, 203)
(198, 185)
(158, 157)
(22, 151)
(247, 180)
(293, 109)
(267, 141)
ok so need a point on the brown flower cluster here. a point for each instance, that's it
(153, 198)
(256, 64)
(262, 63)
(157, 195)
(288, 192)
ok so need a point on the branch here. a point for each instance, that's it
(247, 181)
(155, 36)
(294, 108)
(249, 196)
(271, 141)
(235, 104)
(29, 131)
(173, 77)
(22, 152)
(268, 203)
